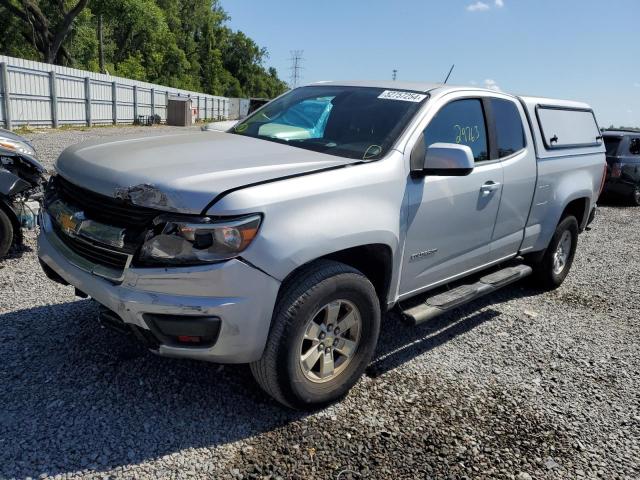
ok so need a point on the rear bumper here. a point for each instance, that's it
(241, 296)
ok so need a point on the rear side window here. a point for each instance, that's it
(567, 127)
(611, 144)
(509, 130)
(461, 122)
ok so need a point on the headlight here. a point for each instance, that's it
(16, 146)
(192, 241)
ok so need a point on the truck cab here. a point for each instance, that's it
(282, 241)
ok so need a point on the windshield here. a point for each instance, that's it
(353, 122)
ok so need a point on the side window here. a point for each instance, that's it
(567, 127)
(462, 122)
(509, 130)
(634, 146)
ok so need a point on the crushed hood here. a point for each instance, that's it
(183, 172)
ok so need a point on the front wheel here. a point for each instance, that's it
(323, 335)
(6, 233)
(551, 270)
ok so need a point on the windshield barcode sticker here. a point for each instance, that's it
(403, 96)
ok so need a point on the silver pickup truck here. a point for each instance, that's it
(282, 241)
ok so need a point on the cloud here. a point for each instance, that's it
(473, 82)
(637, 84)
(491, 85)
(483, 6)
(478, 7)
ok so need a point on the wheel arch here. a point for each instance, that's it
(579, 208)
(374, 260)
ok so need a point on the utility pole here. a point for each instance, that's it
(296, 67)
(100, 45)
(394, 75)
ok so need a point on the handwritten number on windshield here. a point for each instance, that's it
(468, 134)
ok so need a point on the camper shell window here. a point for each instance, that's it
(566, 127)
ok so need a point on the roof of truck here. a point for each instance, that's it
(553, 102)
(427, 87)
(619, 132)
(395, 85)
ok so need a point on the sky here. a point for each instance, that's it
(583, 50)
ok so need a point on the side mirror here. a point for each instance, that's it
(448, 159)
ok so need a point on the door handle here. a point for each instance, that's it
(489, 187)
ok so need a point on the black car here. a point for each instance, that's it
(623, 164)
(21, 182)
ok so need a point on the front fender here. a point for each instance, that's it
(11, 184)
(311, 216)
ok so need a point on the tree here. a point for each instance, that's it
(178, 43)
(46, 30)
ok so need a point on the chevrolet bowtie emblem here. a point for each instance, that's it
(67, 218)
(71, 223)
(74, 223)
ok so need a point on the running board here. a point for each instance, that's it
(444, 302)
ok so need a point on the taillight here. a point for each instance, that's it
(604, 177)
(616, 170)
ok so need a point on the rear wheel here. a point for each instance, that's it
(6, 233)
(551, 270)
(323, 334)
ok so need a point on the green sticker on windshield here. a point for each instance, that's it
(242, 127)
(372, 151)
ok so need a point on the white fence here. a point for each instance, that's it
(40, 94)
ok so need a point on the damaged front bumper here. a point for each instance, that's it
(237, 294)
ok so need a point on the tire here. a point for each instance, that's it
(318, 294)
(549, 272)
(7, 233)
(635, 196)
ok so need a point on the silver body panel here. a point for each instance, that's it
(563, 175)
(189, 169)
(436, 229)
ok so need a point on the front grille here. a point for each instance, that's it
(111, 211)
(93, 253)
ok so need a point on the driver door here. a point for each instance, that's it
(451, 219)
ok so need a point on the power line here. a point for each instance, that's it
(296, 66)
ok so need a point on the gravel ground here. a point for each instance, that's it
(519, 385)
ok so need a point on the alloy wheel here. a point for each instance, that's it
(330, 341)
(561, 255)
